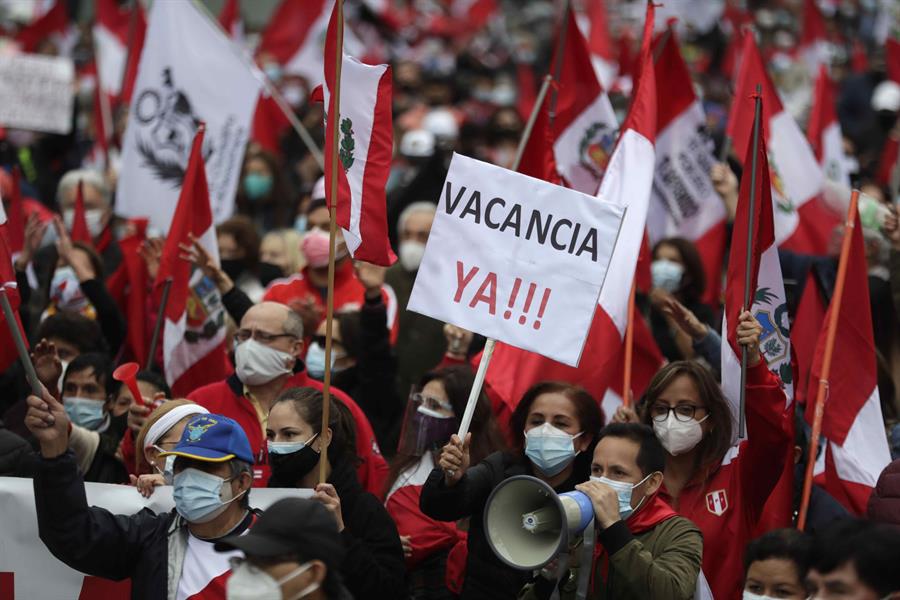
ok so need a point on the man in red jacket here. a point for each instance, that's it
(267, 350)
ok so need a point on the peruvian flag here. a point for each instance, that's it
(856, 449)
(684, 203)
(585, 125)
(628, 182)
(194, 329)
(79, 231)
(824, 132)
(814, 46)
(768, 300)
(230, 20)
(114, 30)
(129, 286)
(8, 354)
(603, 56)
(52, 23)
(366, 145)
(294, 38)
(802, 223)
(537, 158)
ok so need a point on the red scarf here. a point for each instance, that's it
(652, 513)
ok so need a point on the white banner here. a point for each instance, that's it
(516, 259)
(189, 72)
(28, 568)
(37, 93)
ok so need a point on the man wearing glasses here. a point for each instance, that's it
(267, 350)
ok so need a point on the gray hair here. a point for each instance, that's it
(239, 466)
(415, 208)
(293, 325)
(90, 177)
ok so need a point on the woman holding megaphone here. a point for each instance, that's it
(719, 483)
(555, 425)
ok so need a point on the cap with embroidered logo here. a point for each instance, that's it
(212, 438)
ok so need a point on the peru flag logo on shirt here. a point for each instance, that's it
(717, 502)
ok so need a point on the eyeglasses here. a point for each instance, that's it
(242, 335)
(683, 412)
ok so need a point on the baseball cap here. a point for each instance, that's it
(291, 526)
(213, 438)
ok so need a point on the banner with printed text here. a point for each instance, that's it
(516, 259)
(37, 92)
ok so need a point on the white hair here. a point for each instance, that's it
(415, 208)
(90, 177)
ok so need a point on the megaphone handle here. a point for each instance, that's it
(476, 389)
(131, 382)
(587, 562)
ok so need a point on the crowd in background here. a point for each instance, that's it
(407, 495)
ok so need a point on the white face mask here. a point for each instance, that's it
(250, 583)
(666, 274)
(257, 364)
(410, 254)
(93, 218)
(751, 596)
(676, 436)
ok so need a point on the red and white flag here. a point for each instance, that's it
(824, 132)
(684, 203)
(856, 449)
(231, 22)
(768, 299)
(365, 149)
(600, 43)
(892, 59)
(193, 338)
(628, 182)
(51, 21)
(8, 354)
(814, 46)
(118, 39)
(79, 231)
(585, 125)
(296, 34)
(802, 222)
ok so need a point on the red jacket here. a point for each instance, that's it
(349, 294)
(727, 502)
(227, 398)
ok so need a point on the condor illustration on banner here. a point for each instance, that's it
(516, 259)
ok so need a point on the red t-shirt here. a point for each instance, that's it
(349, 293)
(727, 503)
(227, 398)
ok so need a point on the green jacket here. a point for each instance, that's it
(663, 562)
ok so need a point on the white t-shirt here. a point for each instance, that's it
(204, 572)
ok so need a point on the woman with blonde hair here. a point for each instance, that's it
(279, 255)
(160, 433)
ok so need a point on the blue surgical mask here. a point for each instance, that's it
(257, 186)
(550, 449)
(288, 447)
(168, 467)
(623, 490)
(84, 412)
(200, 497)
(666, 274)
(315, 361)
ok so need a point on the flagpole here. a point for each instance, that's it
(13, 325)
(334, 118)
(157, 327)
(282, 104)
(629, 347)
(132, 28)
(558, 59)
(480, 374)
(822, 390)
(748, 265)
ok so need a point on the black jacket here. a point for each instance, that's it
(95, 541)
(487, 576)
(373, 564)
(15, 455)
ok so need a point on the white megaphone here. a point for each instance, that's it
(527, 523)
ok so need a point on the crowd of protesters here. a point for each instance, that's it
(401, 511)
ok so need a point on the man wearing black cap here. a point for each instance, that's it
(293, 551)
(168, 555)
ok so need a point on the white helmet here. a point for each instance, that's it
(441, 123)
(418, 143)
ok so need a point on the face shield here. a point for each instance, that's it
(428, 424)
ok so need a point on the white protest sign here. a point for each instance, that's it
(189, 72)
(28, 568)
(37, 92)
(516, 259)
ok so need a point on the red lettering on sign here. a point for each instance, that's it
(489, 285)
(462, 281)
(540, 315)
(512, 298)
(531, 288)
(487, 294)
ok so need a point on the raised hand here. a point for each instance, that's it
(625, 414)
(151, 252)
(684, 319)
(47, 365)
(458, 340)
(371, 276)
(454, 459)
(34, 233)
(48, 422)
(197, 254)
(748, 333)
(310, 312)
(605, 501)
(145, 484)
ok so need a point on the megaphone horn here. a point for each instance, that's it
(527, 524)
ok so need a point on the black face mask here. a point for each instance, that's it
(268, 272)
(288, 469)
(233, 267)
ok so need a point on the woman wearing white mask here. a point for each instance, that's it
(555, 425)
(719, 485)
(161, 433)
